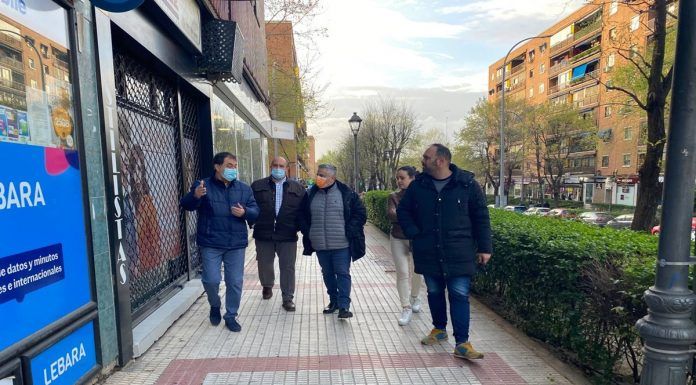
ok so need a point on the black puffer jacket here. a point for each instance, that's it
(354, 215)
(448, 228)
(284, 227)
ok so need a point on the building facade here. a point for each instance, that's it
(573, 65)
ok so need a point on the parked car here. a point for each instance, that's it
(517, 209)
(595, 218)
(560, 213)
(621, 222)
(542, 211)
(656, 230)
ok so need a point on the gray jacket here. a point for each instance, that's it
(328, 231)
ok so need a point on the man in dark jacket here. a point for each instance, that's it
(275, 231)
(332, 224)
(224, 204)
(444, 212)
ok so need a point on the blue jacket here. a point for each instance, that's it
(217, 227)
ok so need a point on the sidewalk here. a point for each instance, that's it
(308, 347)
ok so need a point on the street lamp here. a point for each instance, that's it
(355, 123)
(502, 198)
(667, 330)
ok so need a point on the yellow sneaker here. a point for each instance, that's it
(435, 336)
(465, 350)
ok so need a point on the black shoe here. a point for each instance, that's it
(288, 305)
(233, 325)
(267, 292)
(344, 313)
(331, 308)
(215, 316)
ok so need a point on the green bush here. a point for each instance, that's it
(575, 286)
(376, 205)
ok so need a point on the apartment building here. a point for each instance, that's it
(572, 62)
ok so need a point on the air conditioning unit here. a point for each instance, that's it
(223, 51)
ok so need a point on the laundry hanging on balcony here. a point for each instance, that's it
(579, 71)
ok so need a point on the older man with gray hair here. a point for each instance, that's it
(275, 231)
(333, 223)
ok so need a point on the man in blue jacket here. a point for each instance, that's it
(224, 205)
(444, 212)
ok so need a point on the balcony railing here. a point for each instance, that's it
(589, 30)
(587, 102)
(587, 76)
(585, 54)
(516, 70)
(13, 85)
(12, 63)
(562, 45)
(558, 68)
(11, 41)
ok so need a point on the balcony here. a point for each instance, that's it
(12, 63)
(13, 85)
(587, 102)
(10, 41)
(562, 46)
(516, 70)
(594, 75)
(558, 68)
(590, 30)
(585, 54)
(558, 88)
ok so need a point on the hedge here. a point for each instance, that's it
(376, 205)
(575, 286)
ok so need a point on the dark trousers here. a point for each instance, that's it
(458, 293)
(335, 269)
(287, 255)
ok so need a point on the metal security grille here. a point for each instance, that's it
(191, 151)
(154, 228)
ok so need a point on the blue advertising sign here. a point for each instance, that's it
(67, 361)
(44, 269)
(117, 5)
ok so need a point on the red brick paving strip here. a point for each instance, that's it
(490, 371)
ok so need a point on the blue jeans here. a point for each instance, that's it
(458, 292)
(335, 268)
(234, 277)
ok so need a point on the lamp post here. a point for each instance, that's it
(668, 330)
(502, 197)
(355, 123)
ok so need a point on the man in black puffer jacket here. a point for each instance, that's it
(275, 231)
(444, 213)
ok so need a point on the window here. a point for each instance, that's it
(46, 69)
(5, 74)
(611, 59)
(541, 88)
(612, 34)
(605, 161)
(531, 73)
(627, 160)
(34, 84)
(492, 76)
(32, 64)
(542, 48)
(531, 56)
(542, 68)
(628, 133)
(44, 51)
(641, 159)
(607, 111)
(614, 7)
(491, 91)
(635, 22)
(531, 92)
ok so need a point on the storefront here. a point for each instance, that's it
(163, 121)
(47, 293)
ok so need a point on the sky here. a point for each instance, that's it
(434, 54)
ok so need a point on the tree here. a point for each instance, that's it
(646, 80)
(557, 130)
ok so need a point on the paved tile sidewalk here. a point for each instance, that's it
(308, 347)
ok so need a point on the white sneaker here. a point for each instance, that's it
(416, 304)
(405, 317)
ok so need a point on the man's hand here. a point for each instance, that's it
(483, 258)
(200, 190)
(237, 210)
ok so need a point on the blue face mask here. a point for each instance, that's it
(278, 173)
(230, 174)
